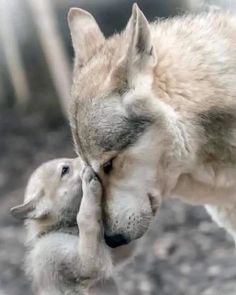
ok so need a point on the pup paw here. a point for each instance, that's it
(89, 215)
(90, 183)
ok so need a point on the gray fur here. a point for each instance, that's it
(67, 253)
(108, 126)
(123, 132)
(58, 260)
(218, 124)
(188, 79)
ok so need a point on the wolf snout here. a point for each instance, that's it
(116, 240)
(126, 229)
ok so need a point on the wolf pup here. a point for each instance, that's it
(153, 111)
(59, 260)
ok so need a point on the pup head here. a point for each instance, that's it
(114, 118)
(53, 194)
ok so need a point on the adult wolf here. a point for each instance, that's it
(153, 112)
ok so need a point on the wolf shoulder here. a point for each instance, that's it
(196, 74)
(192, 28)
(199, 50)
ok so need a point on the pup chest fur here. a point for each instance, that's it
(51, 262)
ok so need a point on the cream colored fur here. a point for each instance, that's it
(66, 251)
(180, 76)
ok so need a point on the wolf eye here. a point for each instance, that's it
(108, 166)
(65, 170)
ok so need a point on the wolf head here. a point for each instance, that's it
(118, 125)
(53, 194)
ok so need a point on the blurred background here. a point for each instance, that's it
(184, 253)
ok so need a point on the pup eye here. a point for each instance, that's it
(108, 166)
(65, 170)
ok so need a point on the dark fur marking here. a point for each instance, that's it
(107, 126)
(118, 128)
(122, 133)
(218, 125)
(68, 275)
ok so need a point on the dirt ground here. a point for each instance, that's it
(183, 253)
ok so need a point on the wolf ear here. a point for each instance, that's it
(24, 210)
(28, 209)
(85, 33)
(141, 51)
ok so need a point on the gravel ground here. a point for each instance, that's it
(183, 253)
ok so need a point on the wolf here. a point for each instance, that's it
(153, 111)
(66, 253)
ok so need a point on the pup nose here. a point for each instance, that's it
(116, 240)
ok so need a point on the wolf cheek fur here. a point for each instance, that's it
(179, 76)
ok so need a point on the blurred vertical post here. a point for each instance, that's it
(13, 58)
(2, 90)
(53, 48)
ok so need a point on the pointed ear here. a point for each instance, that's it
(24, 210)
(30, 209)
(141, 51)
(85, 33)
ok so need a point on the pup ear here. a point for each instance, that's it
(85, 33)
(24, 210)
(141, 52)
(28, 209)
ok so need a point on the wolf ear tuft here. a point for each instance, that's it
(141, 51)
(85, 33)
(23, 211)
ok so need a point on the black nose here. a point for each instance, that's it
(116, 240)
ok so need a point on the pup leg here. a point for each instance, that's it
(95, 258)
(224, 216)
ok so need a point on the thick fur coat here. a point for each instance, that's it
(153, 112)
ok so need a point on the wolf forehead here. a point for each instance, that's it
(104, 125)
